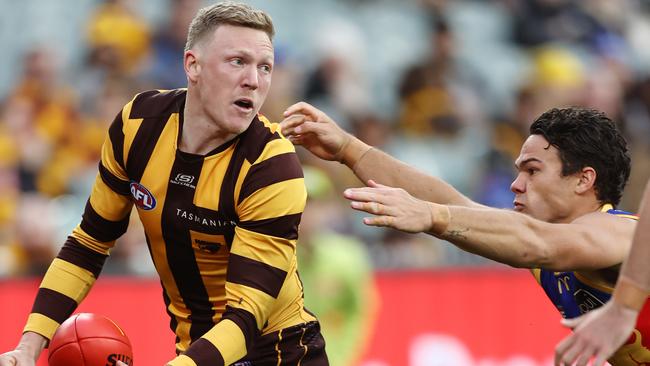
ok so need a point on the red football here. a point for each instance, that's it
(89, 340)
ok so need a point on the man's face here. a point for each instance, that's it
(540, 189)
(234, 75)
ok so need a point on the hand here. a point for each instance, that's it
(599, 333)
(308, 126)
(26, 353)
(16, 358)
(393, 207)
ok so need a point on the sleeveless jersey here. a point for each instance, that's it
(574, 294)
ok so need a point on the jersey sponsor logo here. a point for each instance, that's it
(207, 246)
(587, 301)
(183, 180)
(142, 197)
(205, 221)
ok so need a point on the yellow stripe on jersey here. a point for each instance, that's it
(254, 301)
(181, 360)
(211, 177)
(226, 337)
(108, 204)
(108, 160)
(537, 272)
(273, 251)
(279, 199)
(274, 148)
(87, 240)
(129, 127)
(243, 172)
(39, 323)
(68, 279)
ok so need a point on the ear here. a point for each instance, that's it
(586, 180)
(191, 65)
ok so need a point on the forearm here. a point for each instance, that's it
(65, 285)
(33, 344)
(634, 281)
(370, 163)
(504, 236)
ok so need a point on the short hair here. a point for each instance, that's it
(586, 137)
(209, 18)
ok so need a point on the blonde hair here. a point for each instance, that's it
(209, 18)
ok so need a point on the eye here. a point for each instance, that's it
(532, 171)
(236, 61)
(266, 69)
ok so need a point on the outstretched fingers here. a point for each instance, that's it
(303, 108)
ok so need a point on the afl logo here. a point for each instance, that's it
(142, 197)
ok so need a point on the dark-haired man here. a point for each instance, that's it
(220, 194)
(571, 173)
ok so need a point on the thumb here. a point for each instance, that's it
(120, 363)
(571, 323)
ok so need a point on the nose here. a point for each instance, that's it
(251, 78)
(518, 185)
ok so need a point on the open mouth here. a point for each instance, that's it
(244, 103)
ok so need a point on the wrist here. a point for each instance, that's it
(32, 343)
(629, 294)
(352, 151)
(440, 218)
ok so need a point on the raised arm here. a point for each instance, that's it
(601, 332)
(594, 241)
(307, 126)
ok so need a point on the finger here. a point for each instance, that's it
(366, 195)
(369, 207)
(303, 108)
(311, 127)
(289, 124)
(561, 349)
(571, 355)
(572, 323)
(296, 139)
(601, 357)
(381, 221)
(8, 361)
(373, 184)
(582, 360)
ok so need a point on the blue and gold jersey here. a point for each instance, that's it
(575, 293)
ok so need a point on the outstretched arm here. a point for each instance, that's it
(593, 241)
(307, 126)
(601, 332)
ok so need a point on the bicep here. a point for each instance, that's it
(592, 242)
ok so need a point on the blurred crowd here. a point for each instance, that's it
(448, 86)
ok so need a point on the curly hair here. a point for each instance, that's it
(588, 138)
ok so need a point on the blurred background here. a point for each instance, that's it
(447, 86)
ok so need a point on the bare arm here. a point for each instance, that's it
(601, 332)
(27, 351)
(594, 241)
(318, 133)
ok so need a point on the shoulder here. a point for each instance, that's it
(263, 140)
(154, 103)
(607, 221)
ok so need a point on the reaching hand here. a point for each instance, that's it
(392, 207)
(308, 126)
(17, 358)
(599, 333)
